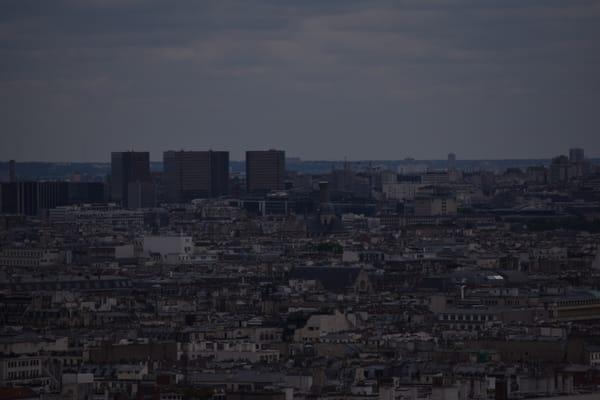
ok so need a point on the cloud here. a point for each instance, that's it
(276, 69)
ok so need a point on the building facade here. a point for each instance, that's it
(265, 171)
(28, 257)
(127, 167)
(190, 175)
(29, 198)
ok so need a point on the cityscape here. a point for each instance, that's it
(360, 282)
(299, 200)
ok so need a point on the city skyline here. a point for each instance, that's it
(299, 200)
(335, 80)
(158, 157)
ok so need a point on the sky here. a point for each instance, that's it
(320, 79)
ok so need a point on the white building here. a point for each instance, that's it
(23, 370)
(171, 249)
(593, 355)
(232, 351)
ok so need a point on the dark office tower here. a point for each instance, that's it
(185, 175)
(219, 173)
(576, 155)
(128, 167)
(159, 190)
(265, 171)
(19, 198)
(85, 192)
(52, 194)
(12, 171)
(190, 175)
(29, 198)
(141, 195)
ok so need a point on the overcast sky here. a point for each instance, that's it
(322, 79)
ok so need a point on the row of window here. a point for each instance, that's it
(264, 336)
(469, 327)
(19, 262)
(23, 363)
(268, 358)
(466, 317)
(170, 397)
(92, 284)
(23, 374)
(22, 253)
(578, 302)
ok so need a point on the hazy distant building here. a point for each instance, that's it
(559, 170)
(451, 162)
(265, 171)
(343, 179)
(537, 174)
(563, 169)
(12, 171)
(411, 167)
(576, 155)
(454, 175)
(435, 178)
(401, 187)
(299, 181)
(401, 190)
(579, 167)
(426, 206)
(127, 167)
(388, 177)
(195, 174)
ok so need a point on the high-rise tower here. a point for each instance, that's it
(265, 171)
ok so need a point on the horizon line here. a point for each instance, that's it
(407, 159)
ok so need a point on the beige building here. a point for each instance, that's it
(435, 206)
(29, 257)
(401, 190)
(322, 324)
